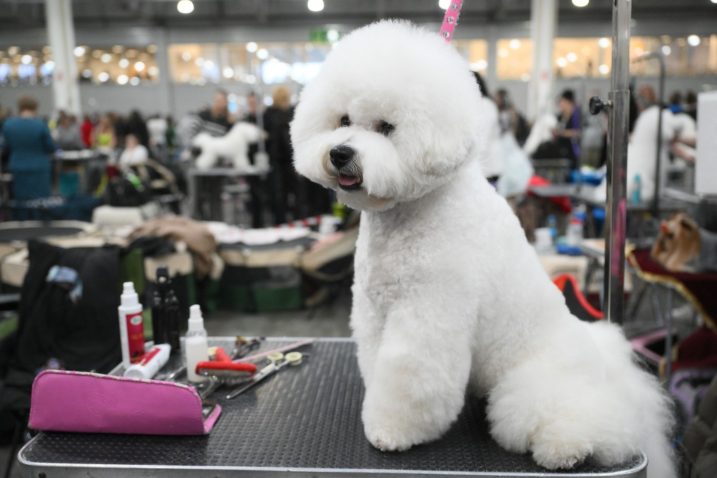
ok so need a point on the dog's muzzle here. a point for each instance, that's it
(342, 157)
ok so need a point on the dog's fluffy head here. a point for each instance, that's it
(399, 108)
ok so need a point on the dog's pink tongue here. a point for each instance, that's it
(347, 180)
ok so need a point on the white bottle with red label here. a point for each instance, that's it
(131, 325)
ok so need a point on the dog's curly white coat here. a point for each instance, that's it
(448, 294)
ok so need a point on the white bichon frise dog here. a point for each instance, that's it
(448, 293)
(233, 146)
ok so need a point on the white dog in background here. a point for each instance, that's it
(233, 146)
(448, 293)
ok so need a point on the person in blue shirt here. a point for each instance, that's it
(30, 144)
(569, 129)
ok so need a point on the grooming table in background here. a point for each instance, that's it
(303, 422)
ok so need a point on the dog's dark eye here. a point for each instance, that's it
(345, 121)
(384, 128)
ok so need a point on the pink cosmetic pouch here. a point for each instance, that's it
(94, 403)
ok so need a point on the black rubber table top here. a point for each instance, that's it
(304, 420)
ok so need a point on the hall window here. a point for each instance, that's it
(514, 58)
(195, 63)
(117, 64)
(582, 57)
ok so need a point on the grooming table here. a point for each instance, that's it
(303, 422)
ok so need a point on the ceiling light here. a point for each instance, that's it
(139, 66)
(104, 76)
(134, 81)
(124, 63)
(571, 57)
(315, 5)
(332, 35)
(693, 40)
(79, 50)
(117, 49)
(581, 3)
(106, 58)
(251, 47)
(562, 62)
(604, 69)
(185, 7)
(186, 56)
(262, 54)
(13, 50)
(604, 42)
(514, 44)
(122, 79)
(26, 59)
(666, 50)
(444, 4)
(228, 72)
(153, 71)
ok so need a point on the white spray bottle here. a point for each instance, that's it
(195, 343)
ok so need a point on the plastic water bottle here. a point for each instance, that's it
(575, 228)
(553, 226)
(636, 196)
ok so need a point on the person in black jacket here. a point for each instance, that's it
(284, 179)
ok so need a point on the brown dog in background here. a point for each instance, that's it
(678, 244)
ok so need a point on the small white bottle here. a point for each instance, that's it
(131, 326)
(152, 361)
(195, 343)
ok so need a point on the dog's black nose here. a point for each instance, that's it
(341, 155)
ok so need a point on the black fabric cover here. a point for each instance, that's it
(81, 336)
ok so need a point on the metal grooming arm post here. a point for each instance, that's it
(616, 179)
(618, 105)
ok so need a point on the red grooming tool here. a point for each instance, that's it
(223, 367)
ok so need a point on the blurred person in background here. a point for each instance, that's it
(134, 153)
(86, 131)
(103, 136)
(135, 125)
(567, 134)
(157, 127)
(691, 104)
(67, 132)
(30, 145)
(675, 103)
(251, 108)
(510, 118)
(215, 119)
(284, 179)
(642, 148)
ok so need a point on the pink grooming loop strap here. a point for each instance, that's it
(450, 19)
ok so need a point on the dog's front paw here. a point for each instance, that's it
(558, 454)
(387, 440)
(389, 430)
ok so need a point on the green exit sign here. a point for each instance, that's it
(319, 35)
